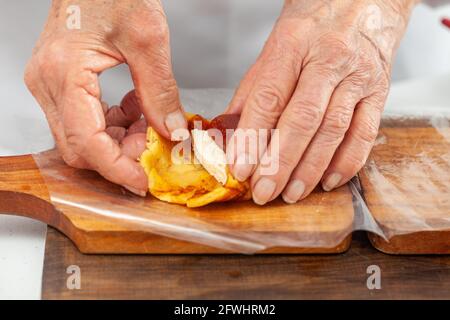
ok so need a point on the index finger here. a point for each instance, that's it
(296, 127)
(273, 86)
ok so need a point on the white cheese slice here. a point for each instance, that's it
(210, 155)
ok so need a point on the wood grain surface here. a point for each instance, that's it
(101, 217)
(341, 276)
(406, 185)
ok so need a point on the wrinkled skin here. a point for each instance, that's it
(63, 76)
(322, 79)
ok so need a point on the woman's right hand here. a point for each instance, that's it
(63, 77)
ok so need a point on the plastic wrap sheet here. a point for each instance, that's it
(88, 194)
(407, 176)
(428, 164)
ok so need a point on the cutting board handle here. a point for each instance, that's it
(21, 174)
(23, 191)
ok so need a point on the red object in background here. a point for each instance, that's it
(446, 22)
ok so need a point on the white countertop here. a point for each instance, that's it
(23, 128)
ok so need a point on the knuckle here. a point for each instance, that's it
(72, 160)
(284, 60)
(336, 51)
(155, 30)
(45, 63)
(51, 57)
(149, 37)
(286, 38)
(340, 46)
(140, 39)
(305, 120)
(359, 80)
(54, 53)
(336, 122)
(268, 102)
(370, 73)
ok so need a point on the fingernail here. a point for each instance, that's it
(263, 191)
(136, 191)
(331, 181)
(175, 120)
(243, 167)
(293, 191)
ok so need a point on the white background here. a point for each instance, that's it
(227, 37)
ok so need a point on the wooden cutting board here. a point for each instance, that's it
(327, 217)
(406, 184)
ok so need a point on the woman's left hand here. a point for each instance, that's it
(322, 80)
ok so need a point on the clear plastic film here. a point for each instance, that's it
(406, 180)
(248, 228)
(404, 188)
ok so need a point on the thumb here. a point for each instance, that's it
(147, 53)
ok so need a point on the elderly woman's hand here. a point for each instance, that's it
(322, 81)
(63, 77)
